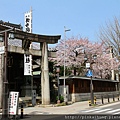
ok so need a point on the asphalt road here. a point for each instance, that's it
(111, 109)
(71, 117)
(106, 112)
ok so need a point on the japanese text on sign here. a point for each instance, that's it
(13, 103)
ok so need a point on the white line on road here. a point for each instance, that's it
(116, 113)
(91, 110)
(98, 111)
(113, 111)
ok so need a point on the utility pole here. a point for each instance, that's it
(111, 56)
(5, 82)
(90, 74)
(91, 90)
(65, 95)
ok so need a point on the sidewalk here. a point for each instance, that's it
(68, 109)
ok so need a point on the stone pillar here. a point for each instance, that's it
(117, 76)
(45, 88)
(113, 75)
(73, 92)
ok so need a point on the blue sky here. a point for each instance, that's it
(83, 17)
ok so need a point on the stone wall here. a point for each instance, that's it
(76, 97)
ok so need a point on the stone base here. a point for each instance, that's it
(27, 91)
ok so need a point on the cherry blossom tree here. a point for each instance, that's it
(104, 63)
(75, 51)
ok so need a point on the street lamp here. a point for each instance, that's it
(90, 74)
(58, 71)
(65, 30)
(5, 80)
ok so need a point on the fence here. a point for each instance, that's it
(105, 99)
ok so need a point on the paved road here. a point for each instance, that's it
(75, 111)
(111, 109)
(75, 108)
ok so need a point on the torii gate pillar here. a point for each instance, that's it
(45, 88)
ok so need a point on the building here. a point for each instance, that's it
(78, 88)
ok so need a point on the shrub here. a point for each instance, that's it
(61, 98)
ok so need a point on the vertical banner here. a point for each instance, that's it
(28, 58)
(27, 64)
(13, 103)
(28, 21)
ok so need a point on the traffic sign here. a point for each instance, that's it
(87, 65)
(89, 73)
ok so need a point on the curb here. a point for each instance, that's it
(97, 105)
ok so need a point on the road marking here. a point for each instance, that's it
(91, 110)
(38, 113)
(116, 113)
(113, 111)
(98, 111)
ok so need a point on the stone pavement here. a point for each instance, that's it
(68, 109)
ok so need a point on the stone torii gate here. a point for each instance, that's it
(44, 40)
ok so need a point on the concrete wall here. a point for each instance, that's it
(76, 97)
